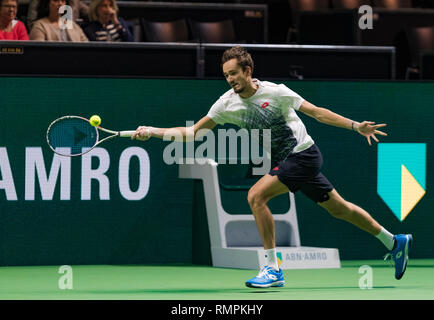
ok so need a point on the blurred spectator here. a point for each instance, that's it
(79, 11)
(10, 28)
(48, 28)
(105, 24)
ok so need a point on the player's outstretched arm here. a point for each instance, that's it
(367, 129)
(176, 133)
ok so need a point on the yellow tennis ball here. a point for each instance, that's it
(95, 120)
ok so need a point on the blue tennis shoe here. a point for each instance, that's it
(266, 278)
(399, 253)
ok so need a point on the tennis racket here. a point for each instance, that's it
(74, 136)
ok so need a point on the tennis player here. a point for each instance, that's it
(251, 103)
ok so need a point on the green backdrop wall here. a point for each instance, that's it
(64, 226)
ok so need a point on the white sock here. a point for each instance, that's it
(386, 238)
(271, 259)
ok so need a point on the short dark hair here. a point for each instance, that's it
(243, 57)
(43, 8)
(1, 2)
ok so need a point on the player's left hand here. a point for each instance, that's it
(368, 129)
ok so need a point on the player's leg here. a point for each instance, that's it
(288, 175)
(320, 190)
(339, 208)
(264, 190)
(397, 245)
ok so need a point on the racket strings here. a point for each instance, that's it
(72, 135)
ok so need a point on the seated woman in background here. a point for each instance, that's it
(79, 11)
(10, 28)
(105, 24)
(49, 27)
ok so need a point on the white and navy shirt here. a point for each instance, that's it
(95, 31)
(271, 107)
(109, 33)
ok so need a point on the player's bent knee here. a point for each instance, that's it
(255, 199)
(252, 197)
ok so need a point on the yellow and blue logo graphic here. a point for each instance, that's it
(401, 179)
(279, 258)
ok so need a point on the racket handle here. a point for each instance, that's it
(126, 134)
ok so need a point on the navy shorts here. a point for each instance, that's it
(301, 171)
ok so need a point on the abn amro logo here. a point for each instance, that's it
(401, 179)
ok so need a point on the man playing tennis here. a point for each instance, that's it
(251, 103)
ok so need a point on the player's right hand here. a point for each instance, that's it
(142, 133)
